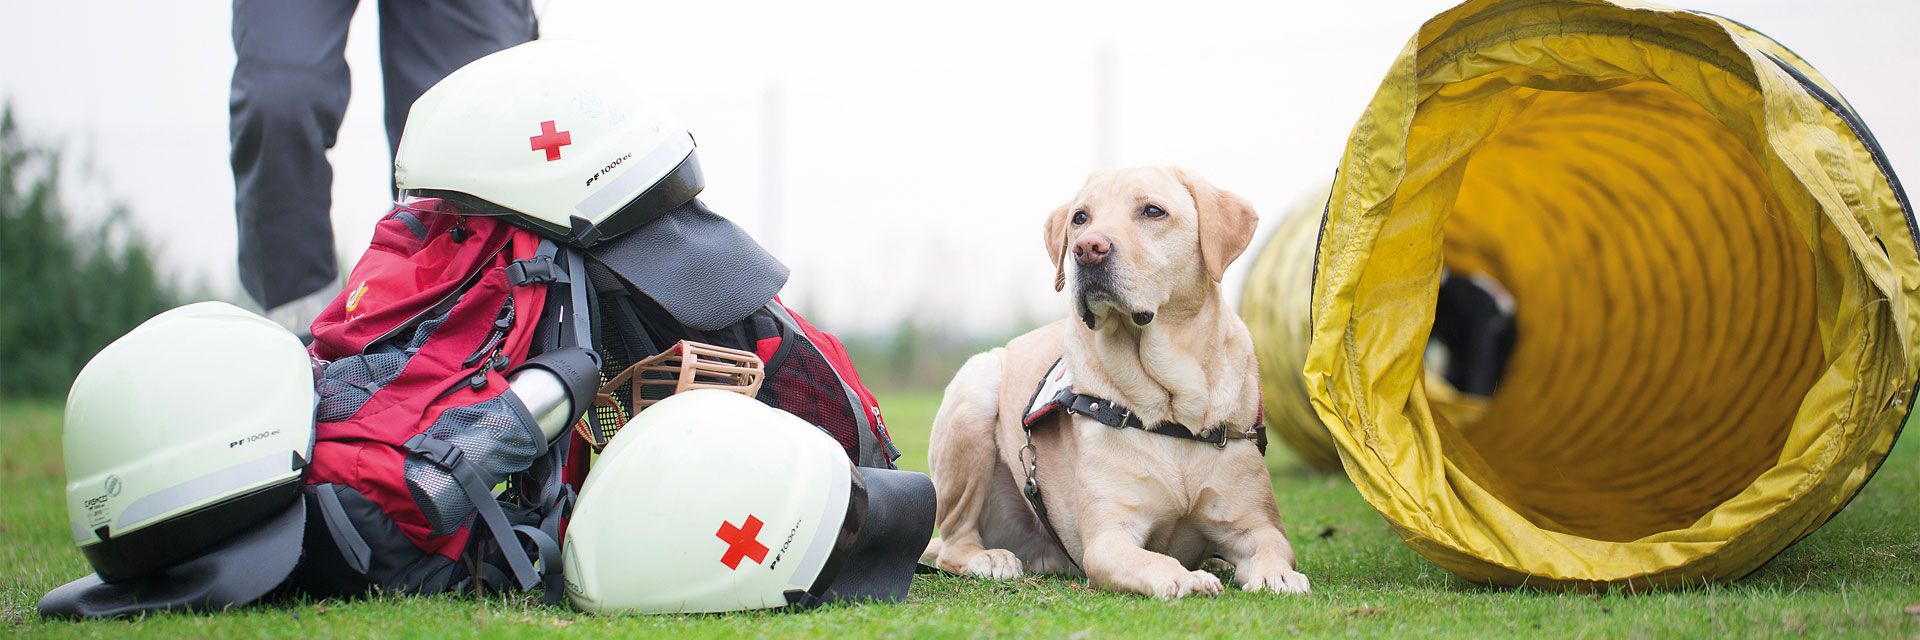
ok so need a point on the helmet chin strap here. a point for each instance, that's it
(583, 232)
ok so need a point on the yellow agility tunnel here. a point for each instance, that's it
(1712, 283)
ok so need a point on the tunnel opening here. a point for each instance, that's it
(1667, 329)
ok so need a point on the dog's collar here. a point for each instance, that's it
(1056, 393)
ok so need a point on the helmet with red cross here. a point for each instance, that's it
(554, 135)
(710, 501)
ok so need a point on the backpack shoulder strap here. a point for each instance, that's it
(552, 264)
(577, 327)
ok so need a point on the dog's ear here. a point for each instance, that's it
(1226, 221)
(1056, 239)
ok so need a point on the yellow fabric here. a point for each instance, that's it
(1715, 290)
(1273, 302)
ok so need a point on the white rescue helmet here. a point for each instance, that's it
(554, 135)
(711, 501)
(187, 438)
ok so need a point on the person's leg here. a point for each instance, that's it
(290, 89)
(421, 41)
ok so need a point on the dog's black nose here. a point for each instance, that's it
(1091, 249)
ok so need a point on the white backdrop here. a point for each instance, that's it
(899, 156)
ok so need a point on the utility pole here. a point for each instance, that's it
(772, 195)
(1105, 103)
(770, 161)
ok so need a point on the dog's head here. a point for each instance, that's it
(1141, 238)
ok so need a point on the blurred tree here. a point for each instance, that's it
(66, 290)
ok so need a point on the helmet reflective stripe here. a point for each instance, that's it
(628, 184)
(253, 474)
(810, 565)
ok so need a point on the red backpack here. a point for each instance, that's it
(414, 424)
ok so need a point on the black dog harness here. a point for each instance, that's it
(1056, 393)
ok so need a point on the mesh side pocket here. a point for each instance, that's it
(493, 436)
(804, 385)
(348, 383)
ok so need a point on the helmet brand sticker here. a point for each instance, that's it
(96, 507)
(254, 438)
(741, 542)
(608, 169)
(783, 546)
(551, 140)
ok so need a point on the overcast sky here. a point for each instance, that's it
(918, 145)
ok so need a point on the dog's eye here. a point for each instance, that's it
(1153, 212)
(1079, 218)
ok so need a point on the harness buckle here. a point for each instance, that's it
(1031, 458)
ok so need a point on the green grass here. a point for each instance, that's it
(1852, 578)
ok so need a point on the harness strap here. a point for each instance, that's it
(448, 456)
(1032, 492)
(1113, 414)
(549, 561)
(1059, 383)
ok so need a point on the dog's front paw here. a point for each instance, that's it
(1286, 581)
(1187, 583)
(998, 564)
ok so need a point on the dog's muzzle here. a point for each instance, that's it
(1091, 293)
(1095, 285)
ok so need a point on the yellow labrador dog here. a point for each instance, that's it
(1121, 443)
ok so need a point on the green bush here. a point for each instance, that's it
(66, 288)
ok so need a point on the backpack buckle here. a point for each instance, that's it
(440, 452)
(534, 270)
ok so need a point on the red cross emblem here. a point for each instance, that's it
(550, 141)
(741, 543)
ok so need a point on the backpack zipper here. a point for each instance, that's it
(489, 350)
(502, 322)
(441, 306)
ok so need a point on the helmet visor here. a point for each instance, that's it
(889, 521)
(677, 188)
(234, 572)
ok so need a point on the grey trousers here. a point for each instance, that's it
(290, 89)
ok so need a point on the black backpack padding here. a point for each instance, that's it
(630, 325)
